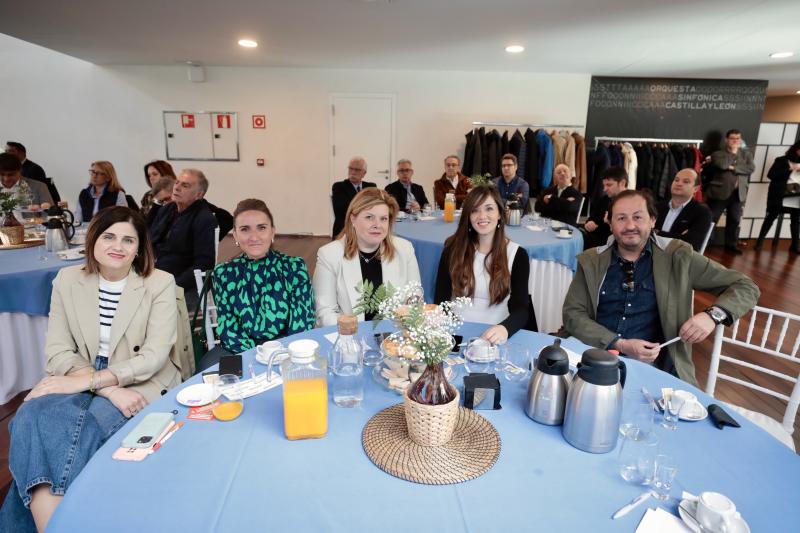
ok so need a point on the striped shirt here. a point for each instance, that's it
(110, 293)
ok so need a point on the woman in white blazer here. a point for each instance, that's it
(365, 250)
(111, 329)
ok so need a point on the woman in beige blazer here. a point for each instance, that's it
(365, 250)
(111, 329)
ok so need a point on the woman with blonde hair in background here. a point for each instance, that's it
(103, 191)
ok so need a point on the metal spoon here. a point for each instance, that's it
(697, 525)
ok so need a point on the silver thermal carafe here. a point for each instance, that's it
(549, 385)
(594, 402)
(513, 212)
(54, 238)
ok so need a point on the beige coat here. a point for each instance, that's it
(142, 334)
(336, 278)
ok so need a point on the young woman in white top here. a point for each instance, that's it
(480, 262)
(365, 250)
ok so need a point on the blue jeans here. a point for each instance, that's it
(52, 439)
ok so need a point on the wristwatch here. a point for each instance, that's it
(717, 315)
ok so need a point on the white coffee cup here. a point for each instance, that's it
(564, 232)
(715, 511)
(265, 351)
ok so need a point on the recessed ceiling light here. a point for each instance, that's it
(798, 92)
(515, 49)
(781, 55)
(247, 43)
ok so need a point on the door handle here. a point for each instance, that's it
(383, 172)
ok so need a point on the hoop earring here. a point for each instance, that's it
(236, 243)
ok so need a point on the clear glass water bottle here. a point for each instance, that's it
(347, 357)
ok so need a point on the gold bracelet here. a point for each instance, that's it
(91, 382)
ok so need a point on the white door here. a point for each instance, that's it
(362, 125)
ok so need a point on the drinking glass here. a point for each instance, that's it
(514, 362)
(638, 413)
(427, 210)
(672, 409)
(231, 403)
(666, 469)
(480, 356)
(372, 351)
(637, 456)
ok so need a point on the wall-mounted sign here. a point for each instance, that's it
(259, 122)
(224, 122)
(187, 121)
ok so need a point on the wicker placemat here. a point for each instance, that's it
(471, 452)
(23, 244)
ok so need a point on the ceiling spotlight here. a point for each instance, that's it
(515, 49)
(780, 55)
(798, 92)
(247, 43)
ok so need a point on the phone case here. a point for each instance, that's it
(146, 432)
(130, 454)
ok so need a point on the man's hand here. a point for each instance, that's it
(414, 206)
(697, 328)
(129, 402)
(546, 198)
(590, 226)
(59, 385)
(638, 349)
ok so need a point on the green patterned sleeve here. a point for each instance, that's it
(303, 312)
(231, 335)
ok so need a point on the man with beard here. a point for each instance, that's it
(635, 292)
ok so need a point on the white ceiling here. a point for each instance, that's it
(675, 38)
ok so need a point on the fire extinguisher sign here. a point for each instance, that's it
(187, 120)
(223, 122)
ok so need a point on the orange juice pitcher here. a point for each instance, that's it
(305, 390)
(449, 207)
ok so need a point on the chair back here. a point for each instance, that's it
(580, 208)
(210, 317)
(708, 238)
(216, 245)
(768, 344)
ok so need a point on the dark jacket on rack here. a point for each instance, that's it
(691, 225)
(494, 143)
(516, 146)
(644, 171)
(531, 160)
(469, 150)
(600, 161)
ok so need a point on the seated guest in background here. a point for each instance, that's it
(511, 186)
(161, 194)
(31, 170)
(183, 232)
(153, 172)
(110, 335)
(596, 230)
(451, 181)
(365, 250)
(682, 217)
(343, 192)
(479, 261)
(783, 168)
(12, 181)
(410, 196)
(104, 190)
(561, 201)
(262, 294)
(636, 292)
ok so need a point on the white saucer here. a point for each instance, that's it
(197, 394)
(73, 254)
(695, 414)
(265, 361)
(564, 236)
(739, 525)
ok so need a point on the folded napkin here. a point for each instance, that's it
(660, 521)
(424, 218)
(534, 228)
(720, 417)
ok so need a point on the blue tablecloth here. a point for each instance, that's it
(245, 475)
(26, 282)
(428, 239)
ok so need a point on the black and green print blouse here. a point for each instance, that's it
(263, 299)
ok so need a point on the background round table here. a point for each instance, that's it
(25, 287)
(245, 475)
(553, 261)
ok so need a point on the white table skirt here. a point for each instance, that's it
(548, 285)
(21, 353)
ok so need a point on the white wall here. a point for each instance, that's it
(68, 112)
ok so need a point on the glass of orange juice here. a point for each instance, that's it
(231, 403)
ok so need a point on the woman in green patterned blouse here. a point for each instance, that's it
(262, 294)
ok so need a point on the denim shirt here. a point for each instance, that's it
(631, 314)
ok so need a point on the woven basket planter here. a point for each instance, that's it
(12, 235)
(431, 425)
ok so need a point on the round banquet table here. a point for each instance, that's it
(25, 287)
(553, 261)
(245, 475)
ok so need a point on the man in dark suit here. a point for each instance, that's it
(561, 201)
(344, 191)
(683, 217)
(597, 230)
(410, 196)
(31, 170)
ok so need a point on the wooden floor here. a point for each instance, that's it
(776, 272)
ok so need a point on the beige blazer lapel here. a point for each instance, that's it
(351, 273)
(84, 301)
(128, 304)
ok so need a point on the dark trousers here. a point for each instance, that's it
(794, 223)
(732, 208)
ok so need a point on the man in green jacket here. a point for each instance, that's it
(635, 292)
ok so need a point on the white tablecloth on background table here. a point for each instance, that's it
(22, 348)
(548, 283)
